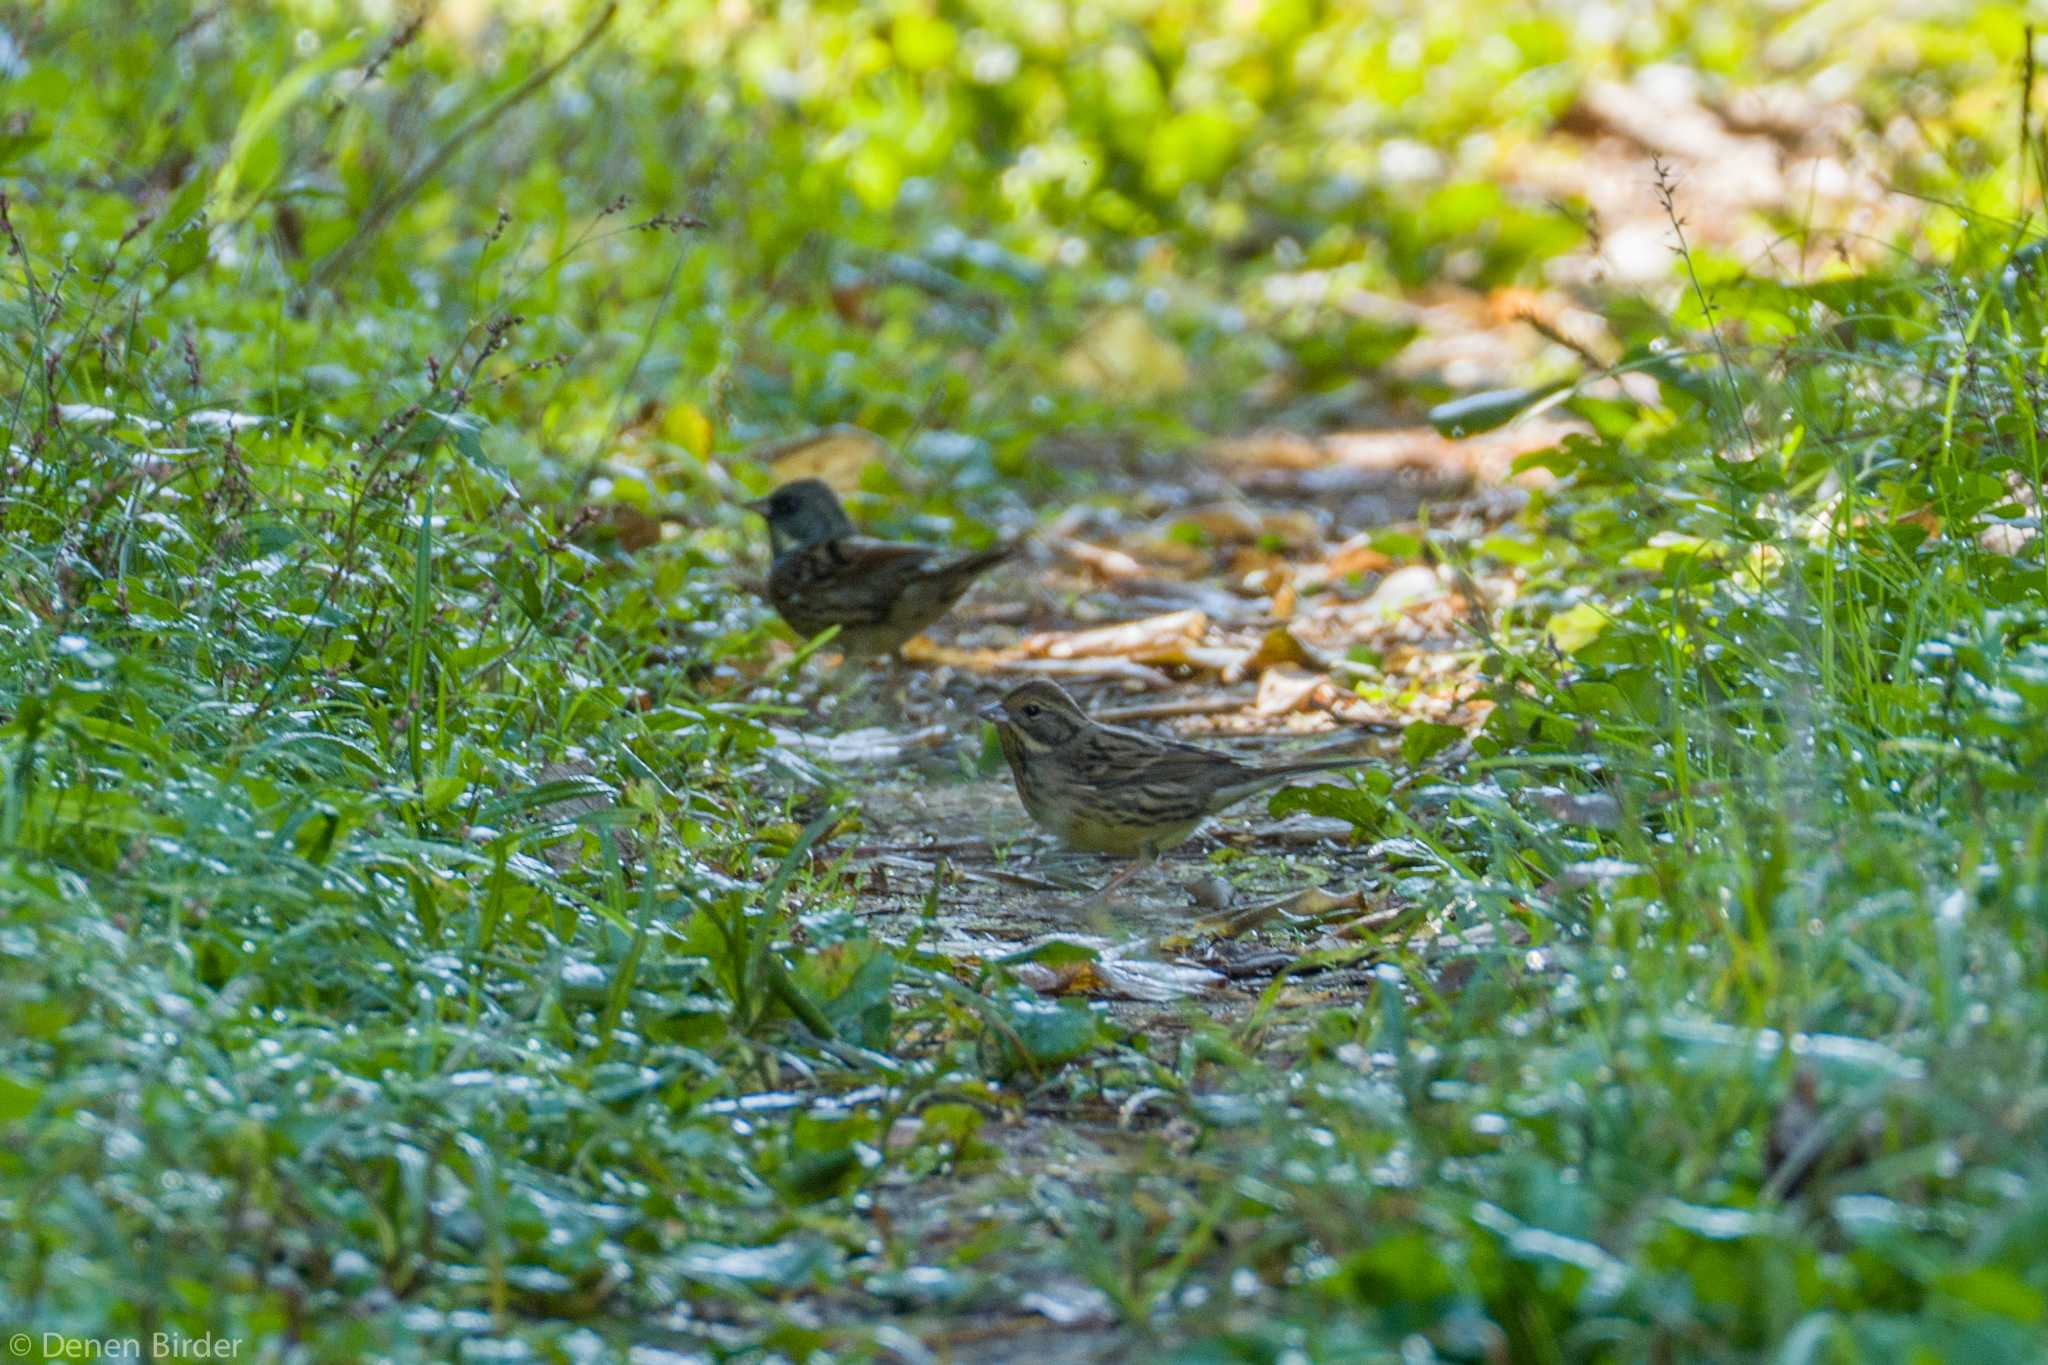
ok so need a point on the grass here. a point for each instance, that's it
(414, 943)
(1822, 860)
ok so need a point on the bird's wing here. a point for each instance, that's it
(968, 565)
(922, 584)
(1131, 759)
(854, 580)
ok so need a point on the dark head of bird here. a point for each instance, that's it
(801, 514)
(1040, 714)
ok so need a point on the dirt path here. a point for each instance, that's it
(1245, 596)
(1208, 637)
(1186, 616)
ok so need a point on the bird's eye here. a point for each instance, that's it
(1033, 709)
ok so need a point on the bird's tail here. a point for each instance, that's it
(983, 559)
(1312, 765)
(1263, 778)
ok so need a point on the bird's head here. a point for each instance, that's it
(806, 512)
(1040, 714)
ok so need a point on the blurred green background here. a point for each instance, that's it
(416, 943)
(910, 213)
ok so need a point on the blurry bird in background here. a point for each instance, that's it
(879, 593)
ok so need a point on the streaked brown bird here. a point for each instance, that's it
(1111, 790)
(878, 592)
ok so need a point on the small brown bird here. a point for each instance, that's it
(1110, 790)
(878, 592)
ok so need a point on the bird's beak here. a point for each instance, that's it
(759, 507)
(992, 713)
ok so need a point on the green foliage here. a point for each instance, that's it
(1800, 776)
(410, 946)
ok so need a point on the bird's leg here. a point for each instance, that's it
(836, 689)
(895, 684)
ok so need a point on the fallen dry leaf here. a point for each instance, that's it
(621, 523)
(1105, 563)
(1280, 585)
(1276, 648)
(1112, 976)
(1155, 639)
(1599, 810)
(838, 455)
(1122, 352)
(1122, 669)
(925, 650)
(1224, 521)
(1286, 689)
(1405, 588)
(1271, 448)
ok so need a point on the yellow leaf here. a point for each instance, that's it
(687, 426)
(1573, 630)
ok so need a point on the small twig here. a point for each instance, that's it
(397, 43)
(1667, 197)
(944, 846)
(2027, 116)
(1025, 880)
(1550, 331)
(612, 426)
(383, 210)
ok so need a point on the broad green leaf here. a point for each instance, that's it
(17, 1099)
(254, 155)
(1424, 739)
(1477, 412)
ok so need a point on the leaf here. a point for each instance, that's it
(188, 247)
(464, 435)
(1849, 1059)
(688, 427)
(1611, 418)
(1477, 412)
(1362, 808)
(515, 572)
(923, 42)
(1053, 952)
(84, 651)
(1049, 1031)
(1576, 627)
(17, 1100)
(441, 791)
(780, 1265)
(252, 150)
(1426, 738)
(14, 145)
(1511, 550)
(565, 790)
(853, 980)
(1606, 1277)
(1995, 1289)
